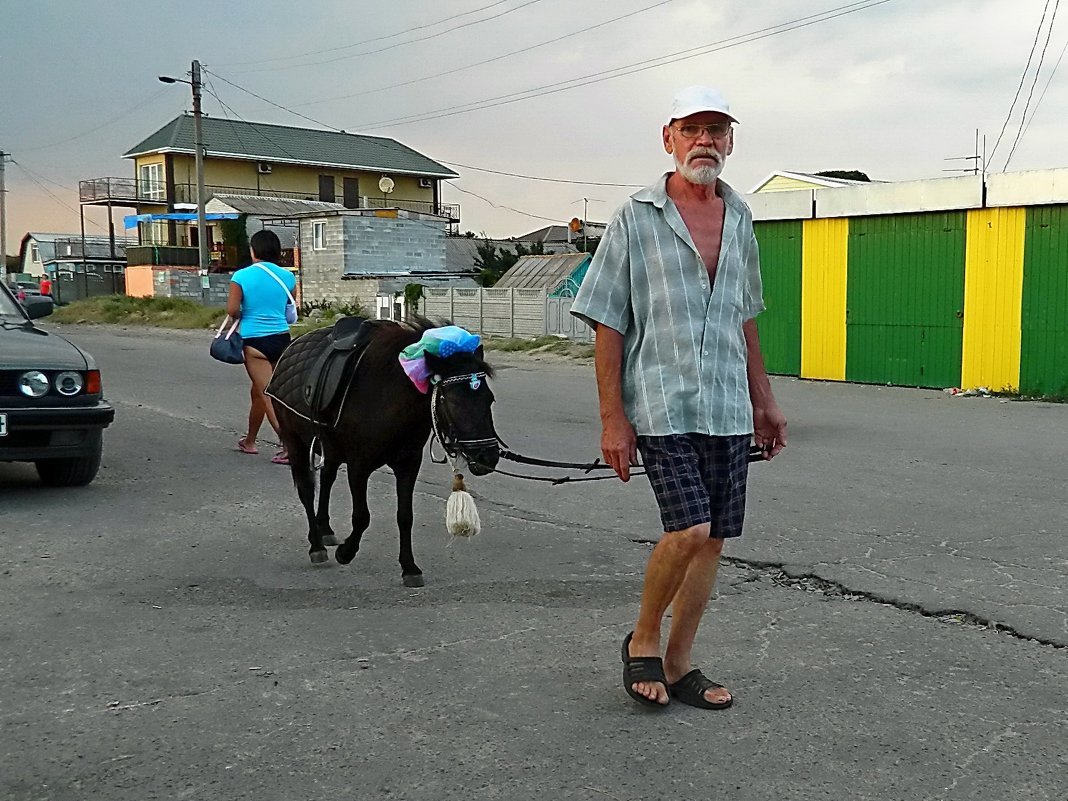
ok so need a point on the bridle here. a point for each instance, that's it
(439, 413)
(455, 447)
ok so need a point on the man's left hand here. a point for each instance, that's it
(769, 429)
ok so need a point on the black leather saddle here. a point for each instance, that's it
(333, 371)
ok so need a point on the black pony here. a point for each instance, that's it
(382, 420)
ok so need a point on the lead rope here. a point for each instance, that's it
(461, 514)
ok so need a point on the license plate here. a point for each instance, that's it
(3, 425)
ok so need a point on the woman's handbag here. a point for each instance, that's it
(291, 303)
(229, 348)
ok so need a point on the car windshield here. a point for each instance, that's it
(9, 308)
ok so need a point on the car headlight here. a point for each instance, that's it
(69, 383)
(34, 383)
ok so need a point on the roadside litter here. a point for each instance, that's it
(977, 392)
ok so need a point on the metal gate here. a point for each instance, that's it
(559, 321)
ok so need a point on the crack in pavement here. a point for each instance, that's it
(808, 582)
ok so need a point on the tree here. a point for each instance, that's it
(492, 262)
(846, 175)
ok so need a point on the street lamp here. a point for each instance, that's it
(198, 146)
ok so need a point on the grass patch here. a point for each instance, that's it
(182, 313)
(126, 310)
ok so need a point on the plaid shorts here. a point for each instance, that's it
(698, 479)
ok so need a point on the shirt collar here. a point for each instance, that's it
(658, 196)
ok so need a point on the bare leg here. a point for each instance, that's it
(689, 605)
(259, 371)
(664, 575)
(255, 415)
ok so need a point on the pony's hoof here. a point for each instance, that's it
(330, 539)
(414, 580)
(343, 556)
(318, 557)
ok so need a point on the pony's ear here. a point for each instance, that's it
(480, 353)
(434, 363)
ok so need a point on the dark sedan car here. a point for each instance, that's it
(52, 410)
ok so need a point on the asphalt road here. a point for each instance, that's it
(894, 623)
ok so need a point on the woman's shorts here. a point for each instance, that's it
(270, 346)
(698, 479)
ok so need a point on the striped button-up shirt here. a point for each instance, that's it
(684, 358)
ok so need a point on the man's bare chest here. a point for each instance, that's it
(705, 225)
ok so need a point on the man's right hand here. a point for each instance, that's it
(619, 446)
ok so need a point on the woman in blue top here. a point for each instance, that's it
(258, 297)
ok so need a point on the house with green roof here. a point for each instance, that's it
(267, 160)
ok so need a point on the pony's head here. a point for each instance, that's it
(463, 408)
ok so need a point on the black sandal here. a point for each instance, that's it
(641, 668)
(690, 689)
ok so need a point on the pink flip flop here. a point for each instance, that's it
(241, 446)
(280, 458)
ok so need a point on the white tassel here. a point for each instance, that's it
(461, 516)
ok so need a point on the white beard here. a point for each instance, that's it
(701, 175)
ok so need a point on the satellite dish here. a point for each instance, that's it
(386, 184)
(575, 225)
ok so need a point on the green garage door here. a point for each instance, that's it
(1044, 313)
(905, 302)
(780, 268)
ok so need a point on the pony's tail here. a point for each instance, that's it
(461, 516)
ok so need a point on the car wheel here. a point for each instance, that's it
(75, 471)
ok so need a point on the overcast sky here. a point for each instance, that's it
(893, 88)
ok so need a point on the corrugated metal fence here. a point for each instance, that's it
(519, 313)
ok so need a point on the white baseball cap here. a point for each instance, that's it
(694, 99)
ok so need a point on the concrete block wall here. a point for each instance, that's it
(379, 245)
(186, 284)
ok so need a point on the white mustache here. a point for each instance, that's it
(704, 152)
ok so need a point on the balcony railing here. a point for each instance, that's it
(71, 247)
(130, 190)
(451, 211)
(117, 190)
(161, 256)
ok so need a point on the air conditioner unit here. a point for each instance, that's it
(263, 168)
(426, 183)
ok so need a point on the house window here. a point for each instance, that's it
(152, 182)
(35, 255)
(319, 235)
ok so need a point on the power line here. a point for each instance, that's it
(539, 178)
(1031, 91)
(114, 119)
(1023, 76)
(449, 163)
(363, 41)
(509, 208)
(630, 69)
(1049, 80)
(272, 103)
(486, 61)
(399, 44)
(34, 177)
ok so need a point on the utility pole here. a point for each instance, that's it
(585, 215)
(3, 214)
(198, 146)
(202, 227)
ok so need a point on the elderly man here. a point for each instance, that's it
(672, 293)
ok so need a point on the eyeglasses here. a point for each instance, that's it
(717, 130)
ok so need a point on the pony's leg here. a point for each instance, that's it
(304, 479)
(361, 515)
(406, 473)
(327, 476)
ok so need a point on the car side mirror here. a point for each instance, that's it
(38, 306)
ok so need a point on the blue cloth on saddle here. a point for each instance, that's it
(444, 342)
